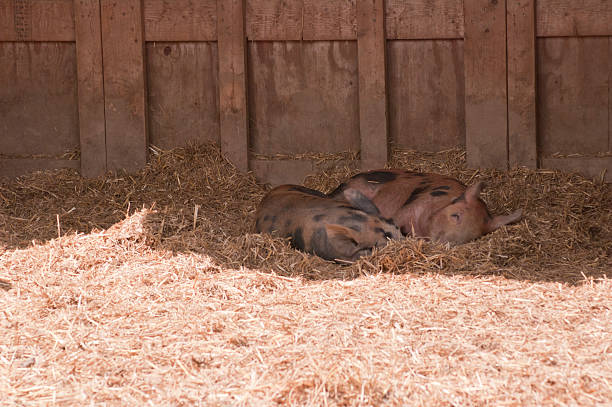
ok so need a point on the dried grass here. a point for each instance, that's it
(133, 306)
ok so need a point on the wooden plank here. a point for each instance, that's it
(426, 94)
(180, 20)
(424, 19)
(277, 172)
(233, 125)
(330, 20)
(15, 167)
(183, 93)
(485, 83)
(571, 18)
(610, 95)
(590, 167)
(274, 20)
(372, 87)
(92, 128)
(124, 85)
(303, 97)
(52, 20)
(573, 91)
(7, 21)
(36, 20)
(38, 98)
(521, 84)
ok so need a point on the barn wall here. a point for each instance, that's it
(516, 83)
(426, 94)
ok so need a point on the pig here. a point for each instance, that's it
(427, 205)
(337, 230)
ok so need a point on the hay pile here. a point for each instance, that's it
(566, 233)
(156, 292)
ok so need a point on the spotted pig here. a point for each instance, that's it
(427, 205)
(332, 229)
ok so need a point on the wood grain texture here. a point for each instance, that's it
(233, 124)
(180, 20)
(426, 94)
(573, 89)
(124, 85)
(373, 127)
(36, 20)
(572, 18)
(38, 98)
(303, 97)
(277, 172)
(424, 19)
(330, 20)
(281, 171)
(183, 93)
(485, 83)
(15, 167)
(522, 144)
(591, 167)
(8, 30)
(274, 20)
(92, 127)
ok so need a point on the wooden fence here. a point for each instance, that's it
(90, 84)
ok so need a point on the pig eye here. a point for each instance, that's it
(455, 216)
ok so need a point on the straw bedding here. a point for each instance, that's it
(152, 288)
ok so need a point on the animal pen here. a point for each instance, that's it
(136, 141)
(89, 84)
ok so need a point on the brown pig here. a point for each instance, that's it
(427, 205)
(331, 229)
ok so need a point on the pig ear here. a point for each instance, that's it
(340, 233)
(360, 201)
(473, 191)
(499, 221)
(342, 239)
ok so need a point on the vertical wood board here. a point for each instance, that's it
(36, 20)
(330, 20)
(124, 84)
(92, 127)
(274, 20)
(522, 124)
(276, 172)
(38, 99)
(8, 31)
(180, 20)
(371, 50)
(233, 123)
(573, 95)
(426, 94)
(424, 19)
(303, 97)
(572, 18)
(183, 93)
(485, 83)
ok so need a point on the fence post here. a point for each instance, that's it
(231, 43)
(92, 131)
(522, 146)
(124, 84)
(371, 50)
(485, 83)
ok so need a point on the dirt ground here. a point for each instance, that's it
(152, 289)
